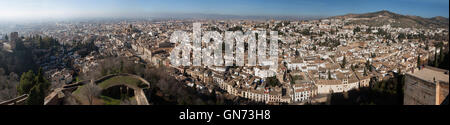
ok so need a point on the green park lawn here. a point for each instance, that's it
(109, 83)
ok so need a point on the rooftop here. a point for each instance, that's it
(329, 82)
(430, 73)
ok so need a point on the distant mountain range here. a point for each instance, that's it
(396, 20)
(379, 18)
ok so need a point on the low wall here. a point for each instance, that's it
(53, 98)
(20, 100)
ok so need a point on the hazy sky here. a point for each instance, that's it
(29, 9)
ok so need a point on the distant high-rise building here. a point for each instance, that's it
(427, 86)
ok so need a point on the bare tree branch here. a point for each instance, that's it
(90, 91)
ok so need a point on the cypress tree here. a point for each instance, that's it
(418, 61)
(329, 75)
(436, 59)
(344, 61)
(441, 55)
(365, 71)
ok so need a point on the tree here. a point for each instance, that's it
(273, 81)
(344, 61)
(373, 55)
(418, 61)
(369, 30)
(445, 63)
(441, 55)
(237, 28)
(8, 85)
(41, 81)
(26, 83)
(329, 75)
(305, 31)
(35, 97)
(430, 62)
(357, 29)
(34, 85)
(436, 59)
(365, 71)
(90, 91)
(368, 65)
